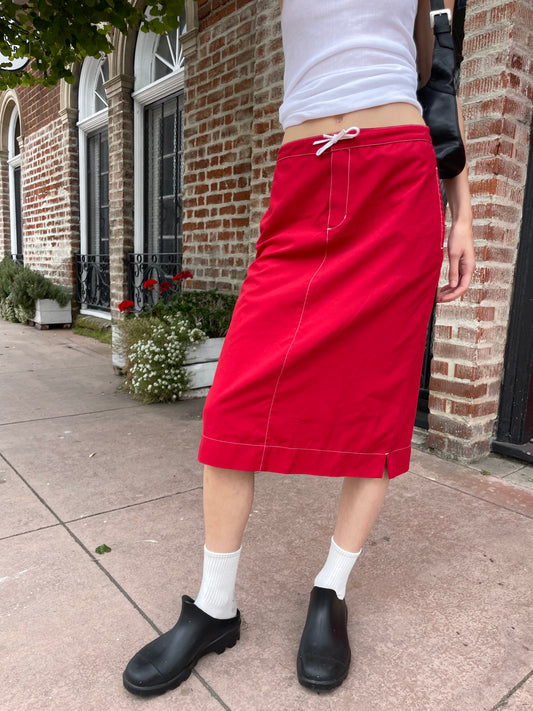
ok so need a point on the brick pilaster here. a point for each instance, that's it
(496, 94)
(121, 187)
(5, 224)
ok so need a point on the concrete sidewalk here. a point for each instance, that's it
(440, 602)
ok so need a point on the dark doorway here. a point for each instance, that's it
(515, 423)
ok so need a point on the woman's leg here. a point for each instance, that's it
(324, 654)
(228, 497)
(360, 503)
(211, 623)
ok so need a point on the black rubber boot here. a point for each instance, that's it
(167, 661)
(324, 654)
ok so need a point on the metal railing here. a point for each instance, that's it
(92, 281)
(159, 267)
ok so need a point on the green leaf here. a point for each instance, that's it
(102, 549)
(58, 34)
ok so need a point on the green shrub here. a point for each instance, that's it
(20, 287)
(7, 310)
(8, 271)
(210, 311)
(29, 286)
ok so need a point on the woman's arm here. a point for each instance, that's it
(461, 255)
(460, 240)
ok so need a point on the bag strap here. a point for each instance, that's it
(443, 64)
(440, 20)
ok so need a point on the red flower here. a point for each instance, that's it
(165, 286)
(182, 275)
(150, 283)
(125, 306)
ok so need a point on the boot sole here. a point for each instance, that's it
(317, 685)
(321, 685)
(219, 646)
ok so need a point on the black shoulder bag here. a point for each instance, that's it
(437, 97)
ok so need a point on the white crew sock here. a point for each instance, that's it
(217, 591)
(338, 566)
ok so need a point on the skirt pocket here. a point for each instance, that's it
(339, 187)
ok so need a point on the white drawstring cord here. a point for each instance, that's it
(330, 139)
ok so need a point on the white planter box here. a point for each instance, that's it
(201, 365)
(201, 362)
(49, 312)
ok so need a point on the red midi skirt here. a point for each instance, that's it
(320, 370)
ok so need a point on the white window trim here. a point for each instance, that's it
(88, 79)
(89, 122)
(142, 97)
(14, 162)
(102, 315)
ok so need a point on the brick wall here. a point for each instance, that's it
(39, 106)
(233, 88)
(219, 81)
(49, 178)
(496, 95)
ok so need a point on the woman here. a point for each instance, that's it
(321, 366)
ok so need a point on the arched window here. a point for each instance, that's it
(158, 139)
(93, 261)
(15, 188)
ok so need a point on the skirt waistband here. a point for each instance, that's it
(363, 137)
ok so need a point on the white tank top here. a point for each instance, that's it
(345, 55)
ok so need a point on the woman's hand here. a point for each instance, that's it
(461, 259)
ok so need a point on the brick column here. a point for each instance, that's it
(120, 132)
(496, 93)
(71, 183)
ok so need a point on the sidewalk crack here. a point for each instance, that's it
(210, 689)
(503, 701)
(33, 530)
(473, 496)
(72, 414)
(135, 503)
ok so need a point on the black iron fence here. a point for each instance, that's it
(151, 276)
(92, 281)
